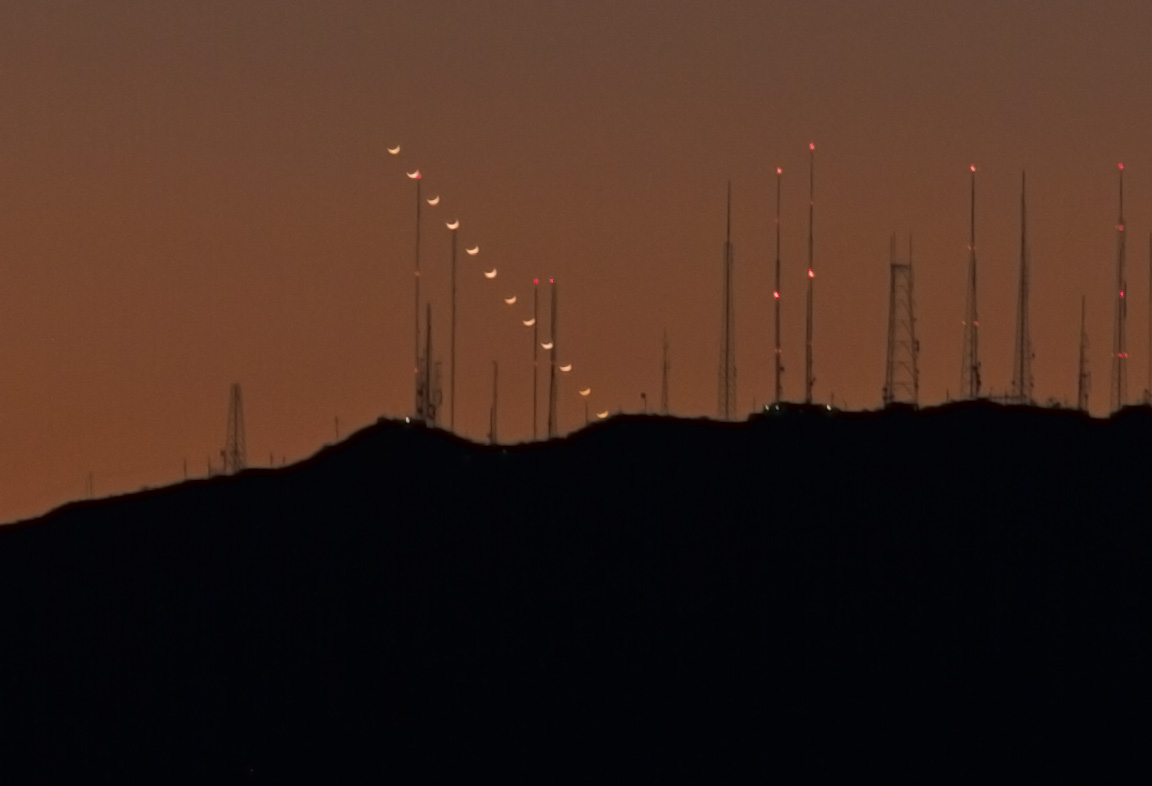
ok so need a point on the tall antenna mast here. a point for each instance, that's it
(970, 361)
(535, 351)
(452, 339)
(1120, 343)
(416, 308)
(552, 415)
(1148, 391)
(1022, 361)
(727, 348)
(809, 380)
(902, 372)
(492, 435)
(235, 443)
(664, 377)
(776, 297)
(1084, 379)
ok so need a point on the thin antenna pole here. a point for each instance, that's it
(727, 353)
(809, 380)
(492, 434)
(430, 402)
(1148, 391)
(535, 351)
(552, 414)
(1120, 339)
(664, 377)
(416, 307)
(970, 361)
(912, 326)
(1022, 362)
(452, 351)
(1083, 380)
(776, 296)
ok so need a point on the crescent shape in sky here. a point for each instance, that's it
(529, 322)
(473, 251)
(546, 346)
(415, 175)
(434, 201)
(510, 300)
(566, 368)
(490, 273)
(585, 391)
(394, 150)
(602, 415)
(453, 224)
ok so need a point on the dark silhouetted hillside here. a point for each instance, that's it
(948, 595)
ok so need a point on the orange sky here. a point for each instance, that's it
(193, 194)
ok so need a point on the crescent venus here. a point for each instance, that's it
(546, 346)
(434, 201)
(566, 368)
(394, 150)
(414, 175)
(602, 415)
(585, 391)
(490, 273)
(453, 224)
(529, 322)
(510, 300)
(472, 251)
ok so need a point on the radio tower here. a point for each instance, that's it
(416, 308)
(1084, 380)
(809, 380)
(1022, 360)
(235, 453)
(452, 350)
(664, 377)
(552, 414)
(970, 361)
(902, 372)
(1119, 342)
(727, 348)
(1148, 391)
(776, 296)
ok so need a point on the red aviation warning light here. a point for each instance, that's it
(536, 281)
(776, 295)
(812, 146)
(972, 167)
(811, 274)
(779, 171)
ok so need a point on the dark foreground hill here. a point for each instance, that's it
(946, 595)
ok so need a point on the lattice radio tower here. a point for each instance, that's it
(1120, 341)
(1022, 357)
(235, 453)
(728, 334)
(970, 359)
(1084, 379)
(902, 372)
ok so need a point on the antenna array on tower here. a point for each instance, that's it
(1022, 358)
(235, 453)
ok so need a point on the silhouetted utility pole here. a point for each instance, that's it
(970, 361)
(1084, 379)
(779, 395)
(664, 377)
(902, 371)
(235, 443)
(1120, 339)
(809, 379)
(728, 332)
(1022, 358)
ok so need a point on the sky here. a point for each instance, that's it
(196, 194)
